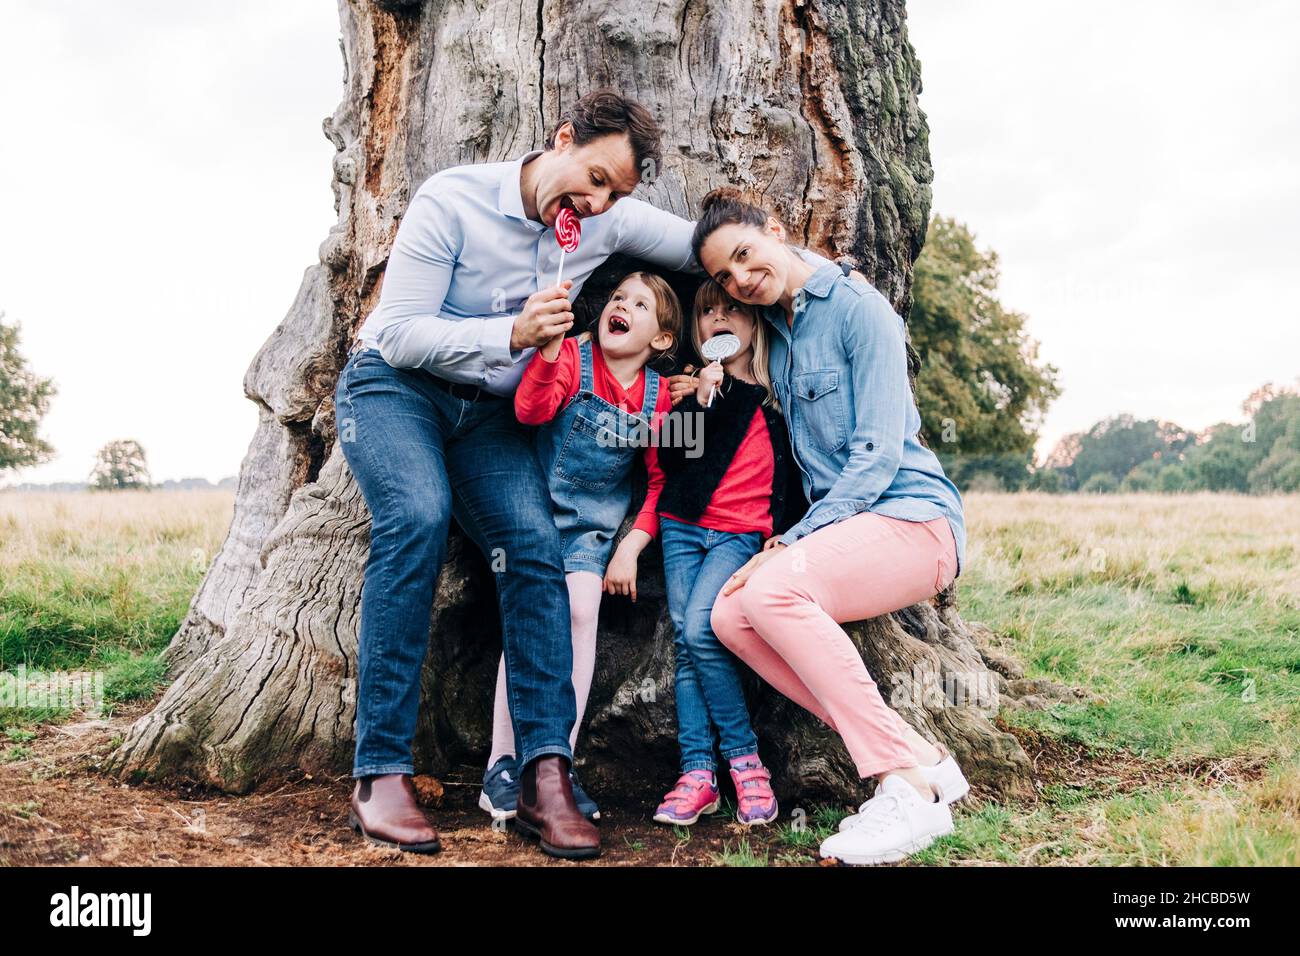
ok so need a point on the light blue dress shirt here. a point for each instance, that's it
(841, 375)
(466, 258)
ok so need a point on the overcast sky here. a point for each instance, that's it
(164, 183)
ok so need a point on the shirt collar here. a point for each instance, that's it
(820, 282)
(510, 198)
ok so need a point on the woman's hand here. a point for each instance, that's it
(737, 580)
(710, 378)
(620, 575)
(679, 386)
(773, 542)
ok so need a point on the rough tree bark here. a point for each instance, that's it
(812, 104)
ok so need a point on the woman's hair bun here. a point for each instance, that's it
(720, 207)
(719, 196)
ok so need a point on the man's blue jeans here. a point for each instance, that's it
(697, 563)
(421, 455)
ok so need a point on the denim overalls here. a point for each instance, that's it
(587, 452)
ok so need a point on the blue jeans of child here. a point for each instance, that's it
(421, 455)
(697, 562)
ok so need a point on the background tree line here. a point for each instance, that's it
(1258, 456)
(982, 393)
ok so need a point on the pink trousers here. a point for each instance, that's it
(783, 622)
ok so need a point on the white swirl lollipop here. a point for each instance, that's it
(719, 349)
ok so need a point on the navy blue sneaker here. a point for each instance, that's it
(586, 806)
(500, 791)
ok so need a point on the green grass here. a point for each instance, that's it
(742, 853)
(1180, 618)
(1170, 680)
(55, 617)
(100, 583)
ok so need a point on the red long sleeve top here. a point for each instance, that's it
(742, 500)
(546, 386)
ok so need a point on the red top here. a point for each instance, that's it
(742, 502)
(546, 386)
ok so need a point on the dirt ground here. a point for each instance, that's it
(57, 808)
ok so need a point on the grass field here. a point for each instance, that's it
(1179, 614)
(102, 581)
(1182, 614)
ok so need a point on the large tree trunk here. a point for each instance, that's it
(812, 103)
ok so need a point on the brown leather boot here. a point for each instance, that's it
(545, 810)
(384, 811)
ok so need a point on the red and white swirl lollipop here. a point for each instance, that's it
(568, 231)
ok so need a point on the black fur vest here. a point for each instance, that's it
(689, 483)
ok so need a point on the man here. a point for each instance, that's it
(425, 399)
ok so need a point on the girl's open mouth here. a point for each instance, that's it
(619, 325)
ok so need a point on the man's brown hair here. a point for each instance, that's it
(602, 112)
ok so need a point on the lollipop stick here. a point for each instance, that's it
(560, 271)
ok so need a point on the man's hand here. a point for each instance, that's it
(737, 580)
(710, 378)
(546, 315)
(679, 386)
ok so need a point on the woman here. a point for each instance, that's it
(884, 529)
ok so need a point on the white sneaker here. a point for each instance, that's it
(896, 822)
(945, 775)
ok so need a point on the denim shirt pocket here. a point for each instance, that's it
(823, 415)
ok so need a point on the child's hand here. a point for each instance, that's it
(710, 378)
(679, 386)
(620, 575)
(550, 349)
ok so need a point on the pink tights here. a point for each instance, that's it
(584, 608)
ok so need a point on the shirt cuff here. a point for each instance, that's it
(793, 535)
(495, 342)
(647, 522)
(543, 371)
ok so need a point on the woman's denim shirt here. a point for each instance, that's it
(841, 376)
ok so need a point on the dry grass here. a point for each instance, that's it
(137, 530)
(1220, 547)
